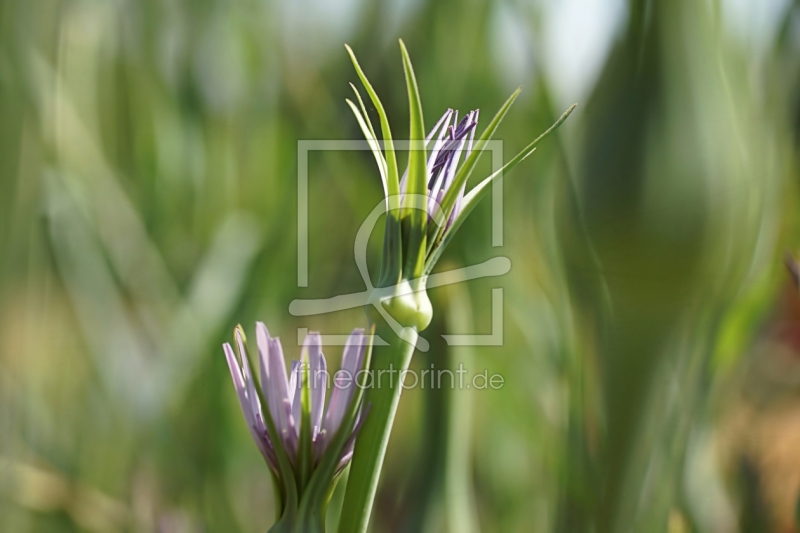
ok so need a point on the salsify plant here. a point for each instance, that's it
(424, 209)
(305, 444)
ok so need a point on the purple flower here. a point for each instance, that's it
(283, 393)
(434, 181)
(453, 140)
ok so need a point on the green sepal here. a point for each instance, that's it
(305, 454)
(287, 484)
(393, 239)
(392, 262)
(364, 112)
(415, 198)
(369, 134)
(392, 181)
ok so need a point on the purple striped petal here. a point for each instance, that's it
(435, 178)
(472, 133)
(444, 120)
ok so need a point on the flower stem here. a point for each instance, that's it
(382, 395)
(442, 498)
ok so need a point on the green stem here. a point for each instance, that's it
(442, 499)
(388, 363)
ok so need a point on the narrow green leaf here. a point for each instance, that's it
(415, 208)
(393, 181)
(474, 196)
(372, 142)
(466, 169)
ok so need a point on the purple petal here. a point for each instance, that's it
(434, 178)
(340, 397)
(252, 396)
(233, 366)
(347, 451)
(444, 167)
(253, 418)
(472, 133)
(239, 385)
(275, 385)
(317, 375)
(296, 391)
(457, 207)
(445, 117)
(435, 202)
(450, 166)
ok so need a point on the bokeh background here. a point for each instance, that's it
(148, 203)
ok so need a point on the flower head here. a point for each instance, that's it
(426, 207)
(301, 440)
(445, 154)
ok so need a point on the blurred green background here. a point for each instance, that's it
(148, 203)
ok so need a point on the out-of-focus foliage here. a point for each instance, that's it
(148, 203)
